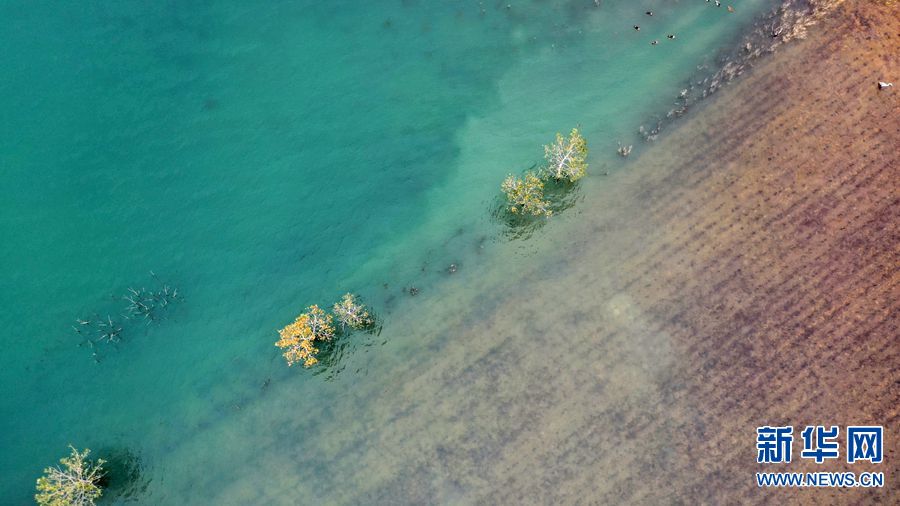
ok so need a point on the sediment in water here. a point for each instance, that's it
(741, 273)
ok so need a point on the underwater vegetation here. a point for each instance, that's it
(143, 305)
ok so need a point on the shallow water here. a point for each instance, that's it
(262, 159)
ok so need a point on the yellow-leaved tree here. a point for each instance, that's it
(75, 482)
(566, 161)
(526, 195)
(298, 338)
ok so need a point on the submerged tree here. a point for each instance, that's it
(73, 483)
(566, 157)
(526, 195)
(146, 304)
(566, 163)
(297, 338)
(351, 313)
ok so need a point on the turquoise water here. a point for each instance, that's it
(263, 158)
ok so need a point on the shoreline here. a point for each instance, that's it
(786, 23)
(188, 422)
(752, 258)
(741, 273)
(736, 274)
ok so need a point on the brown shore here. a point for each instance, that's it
(770, 255)
(743, 272)
(774, 269)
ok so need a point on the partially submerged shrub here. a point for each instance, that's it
(297, 338)
(350, 313)
(315, 329)
(526, 195)
(72, 483)
(566, 162)
(566, 157)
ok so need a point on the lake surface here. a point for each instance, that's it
(263, 158)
